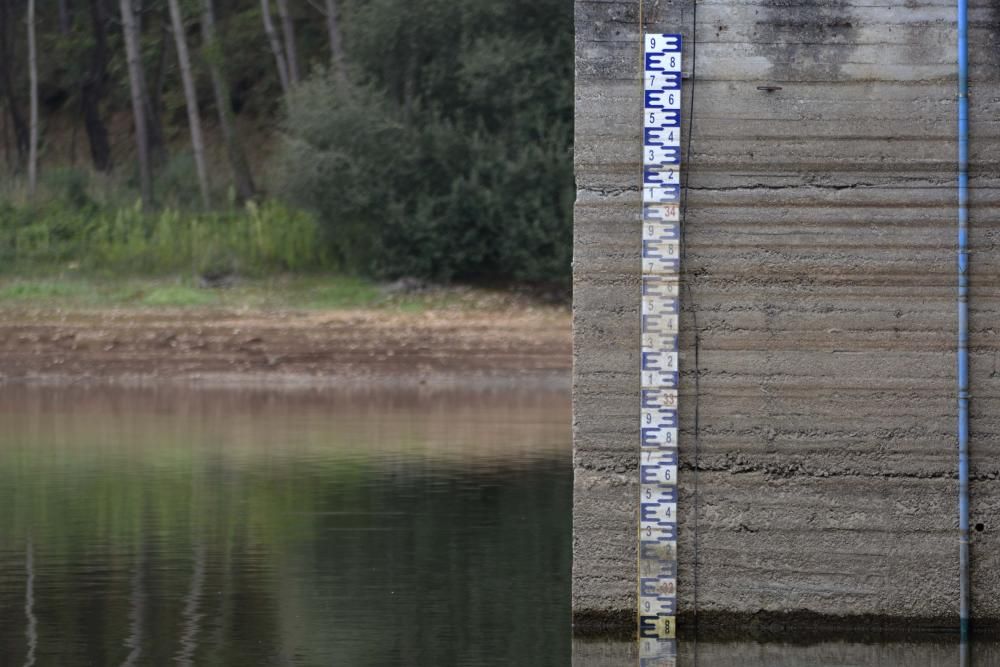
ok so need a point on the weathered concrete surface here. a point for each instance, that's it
(818, 344)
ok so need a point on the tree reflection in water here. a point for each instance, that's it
(229, 528)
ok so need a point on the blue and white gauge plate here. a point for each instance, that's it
(658, 457)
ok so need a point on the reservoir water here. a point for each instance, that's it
(156, 527)
(363, 528)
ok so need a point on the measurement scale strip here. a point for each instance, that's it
(659, 372)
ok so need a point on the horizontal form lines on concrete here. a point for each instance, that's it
(820, 275)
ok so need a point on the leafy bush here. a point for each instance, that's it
(68, 185)
(449, 154)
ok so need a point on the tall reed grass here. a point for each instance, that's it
(254, 238)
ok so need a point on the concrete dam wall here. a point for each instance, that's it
(818, 329)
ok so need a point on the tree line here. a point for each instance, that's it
(99, 36)
(430, 139)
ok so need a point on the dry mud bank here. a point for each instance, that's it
(304, 348)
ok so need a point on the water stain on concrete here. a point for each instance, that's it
(805, 41)
(988, 53)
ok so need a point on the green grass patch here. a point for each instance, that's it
(313, 292)
(178, 295)
(40, 290)
(97, 290)
(83, 290)
(347, 294)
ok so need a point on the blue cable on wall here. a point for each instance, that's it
(963, 316)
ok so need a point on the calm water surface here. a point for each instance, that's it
(159, 527)
(246, 528)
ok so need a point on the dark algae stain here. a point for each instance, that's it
(805, 41)
(988, 51)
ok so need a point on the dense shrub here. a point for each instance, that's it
(448, 155)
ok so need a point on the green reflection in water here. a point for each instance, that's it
(234, 528)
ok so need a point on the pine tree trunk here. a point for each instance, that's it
(336, 45)
(33, 78)
(92, 90)
(288, 30)
(20, 126)
(65, 19)
(234, 148)
(137, 85)
(6, 141)
(272, 37)
(152, 87)
(191, 99)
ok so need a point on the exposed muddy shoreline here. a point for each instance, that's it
(286, 349)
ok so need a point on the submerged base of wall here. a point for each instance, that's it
(591, 652)
(798, 626)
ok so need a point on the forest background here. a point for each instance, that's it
(215, 138)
